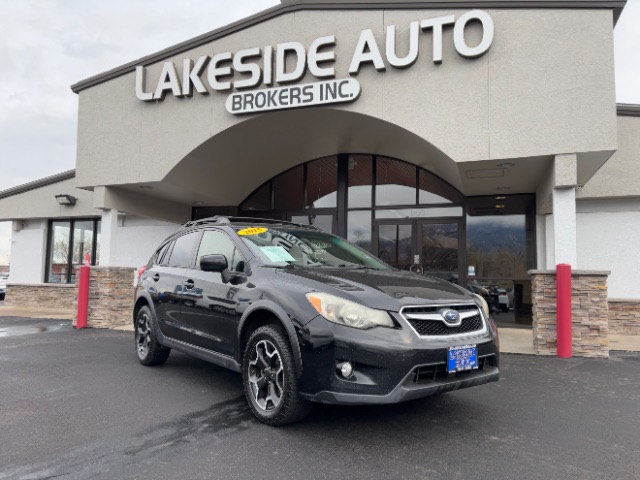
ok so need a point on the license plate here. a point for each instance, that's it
(462, 358)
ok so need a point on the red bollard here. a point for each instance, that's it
(83, 296)
(563, 307)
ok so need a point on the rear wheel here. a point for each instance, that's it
(270, 381)
(149, 350)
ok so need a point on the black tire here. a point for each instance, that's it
(270, 380)
(148, 349)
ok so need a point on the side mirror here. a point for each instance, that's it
(216, 263)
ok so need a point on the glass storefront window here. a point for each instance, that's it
(59, 252)
(496, 246)
(322, 183)
(260, 200)
(433, 190)
(395, 182)
(70, 243)
(288, 189)
(359, 181)
(82, 246)
(359, 228)
(323, 222)
(394, 245)
(420, 212)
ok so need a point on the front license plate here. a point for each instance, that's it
(462, 358)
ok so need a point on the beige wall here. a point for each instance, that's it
(41, 203)
(545, 87)
(620, 176)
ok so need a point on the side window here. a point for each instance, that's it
(161, 255)
(215, 242)
(182, 249)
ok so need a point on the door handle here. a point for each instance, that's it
(189, 284)
(156, 277)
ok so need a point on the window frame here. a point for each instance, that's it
(94, 248)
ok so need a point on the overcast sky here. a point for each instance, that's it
(47, 45)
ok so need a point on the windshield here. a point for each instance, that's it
(284, 247)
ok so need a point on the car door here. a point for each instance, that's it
(212, 308)
(168, 280)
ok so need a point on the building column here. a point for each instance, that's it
(561, 236)
(108, 237)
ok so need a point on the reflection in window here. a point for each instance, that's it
(434, 190)
(71, 244)
(496, 246)
(395, 182)
(323, 222)
(359, 181)
(394, 245)
(322, 183)
(260, 200)
(288, 189)
(359, 228)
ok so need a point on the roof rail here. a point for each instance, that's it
(224, 220)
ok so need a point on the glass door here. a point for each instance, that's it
(394, 244)
(439, 250)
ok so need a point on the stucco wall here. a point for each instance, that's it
(138, 238)
(28, 247)
(609, 238)
(41, 203)
(620, 176)
(545, 87)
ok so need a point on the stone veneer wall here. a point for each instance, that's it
(624, 316)
(46, 295)
(590, 313)
(110, 297)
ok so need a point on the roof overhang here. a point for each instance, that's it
(290, 6)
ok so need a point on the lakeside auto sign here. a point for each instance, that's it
(290, 61)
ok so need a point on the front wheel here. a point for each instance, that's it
(269, 376)
(149, 350)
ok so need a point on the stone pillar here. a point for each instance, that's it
(590, 313)
(111, 297)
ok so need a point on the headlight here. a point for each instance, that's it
(344, 312)
(483, 304)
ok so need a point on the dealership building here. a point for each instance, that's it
(475, 140)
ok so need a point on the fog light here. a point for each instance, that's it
(346, 369)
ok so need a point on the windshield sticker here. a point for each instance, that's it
(277, 254)
(252, 231)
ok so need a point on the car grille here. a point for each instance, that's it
(427, 374)
(436, 327)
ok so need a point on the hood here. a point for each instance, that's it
(383, 289)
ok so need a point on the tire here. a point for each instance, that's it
(148, 349)
(269, 377)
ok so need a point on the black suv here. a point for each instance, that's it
(306, 316)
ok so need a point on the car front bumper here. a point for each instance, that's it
(390, 365)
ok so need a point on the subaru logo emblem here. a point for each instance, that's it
(451, 317)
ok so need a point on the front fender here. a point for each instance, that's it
(286, 321)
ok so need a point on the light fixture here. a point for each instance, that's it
(501, 198)
(503, 188)
(66, 200)
(506, 165)
(499, 206)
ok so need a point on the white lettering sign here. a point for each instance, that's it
(289, 62)
(305, 95)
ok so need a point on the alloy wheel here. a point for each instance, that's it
(266, 375)
(143, 335)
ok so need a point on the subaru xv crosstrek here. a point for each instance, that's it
(306, 316)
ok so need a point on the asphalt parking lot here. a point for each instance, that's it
(77, 405)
